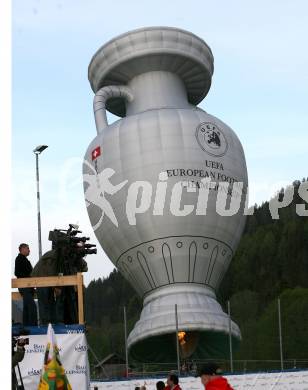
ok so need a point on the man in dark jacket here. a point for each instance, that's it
(23, 269)
(211, 378)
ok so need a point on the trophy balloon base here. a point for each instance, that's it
(202, 325)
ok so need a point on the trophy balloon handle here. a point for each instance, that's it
(100, 100)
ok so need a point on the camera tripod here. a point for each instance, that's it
(19, 379)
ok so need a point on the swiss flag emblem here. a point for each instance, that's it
(96, 153)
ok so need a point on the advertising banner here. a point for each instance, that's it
(73, 353)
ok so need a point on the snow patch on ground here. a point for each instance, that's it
(296, 380)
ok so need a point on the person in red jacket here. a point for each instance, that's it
(211, 378)
(173, 382)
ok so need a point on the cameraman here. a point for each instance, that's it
(23, 269)
(70, 262)
(46, 266)
(59, 304)
(17, 356)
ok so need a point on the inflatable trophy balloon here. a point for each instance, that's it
(161, 186)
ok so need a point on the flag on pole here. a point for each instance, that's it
(53, 375)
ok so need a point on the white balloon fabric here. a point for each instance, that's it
(156, 183)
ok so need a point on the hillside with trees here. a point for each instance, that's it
(270, 262)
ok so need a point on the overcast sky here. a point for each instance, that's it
(259, 88)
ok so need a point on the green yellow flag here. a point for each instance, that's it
(53, 375)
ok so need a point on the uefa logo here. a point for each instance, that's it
(211, 139)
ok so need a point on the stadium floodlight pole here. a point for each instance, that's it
(230, 338)
(37, 151)
(280, 335)
(125, 336)
(177, 338)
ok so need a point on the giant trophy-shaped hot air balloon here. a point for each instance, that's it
(147, 191)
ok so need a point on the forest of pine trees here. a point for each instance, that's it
(270, 262)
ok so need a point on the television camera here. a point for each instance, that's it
(17, 339)
(70, 249)
(20, 341)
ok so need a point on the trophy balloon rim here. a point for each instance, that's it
(153, 49)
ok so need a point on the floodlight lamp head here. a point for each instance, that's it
(39, 149)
